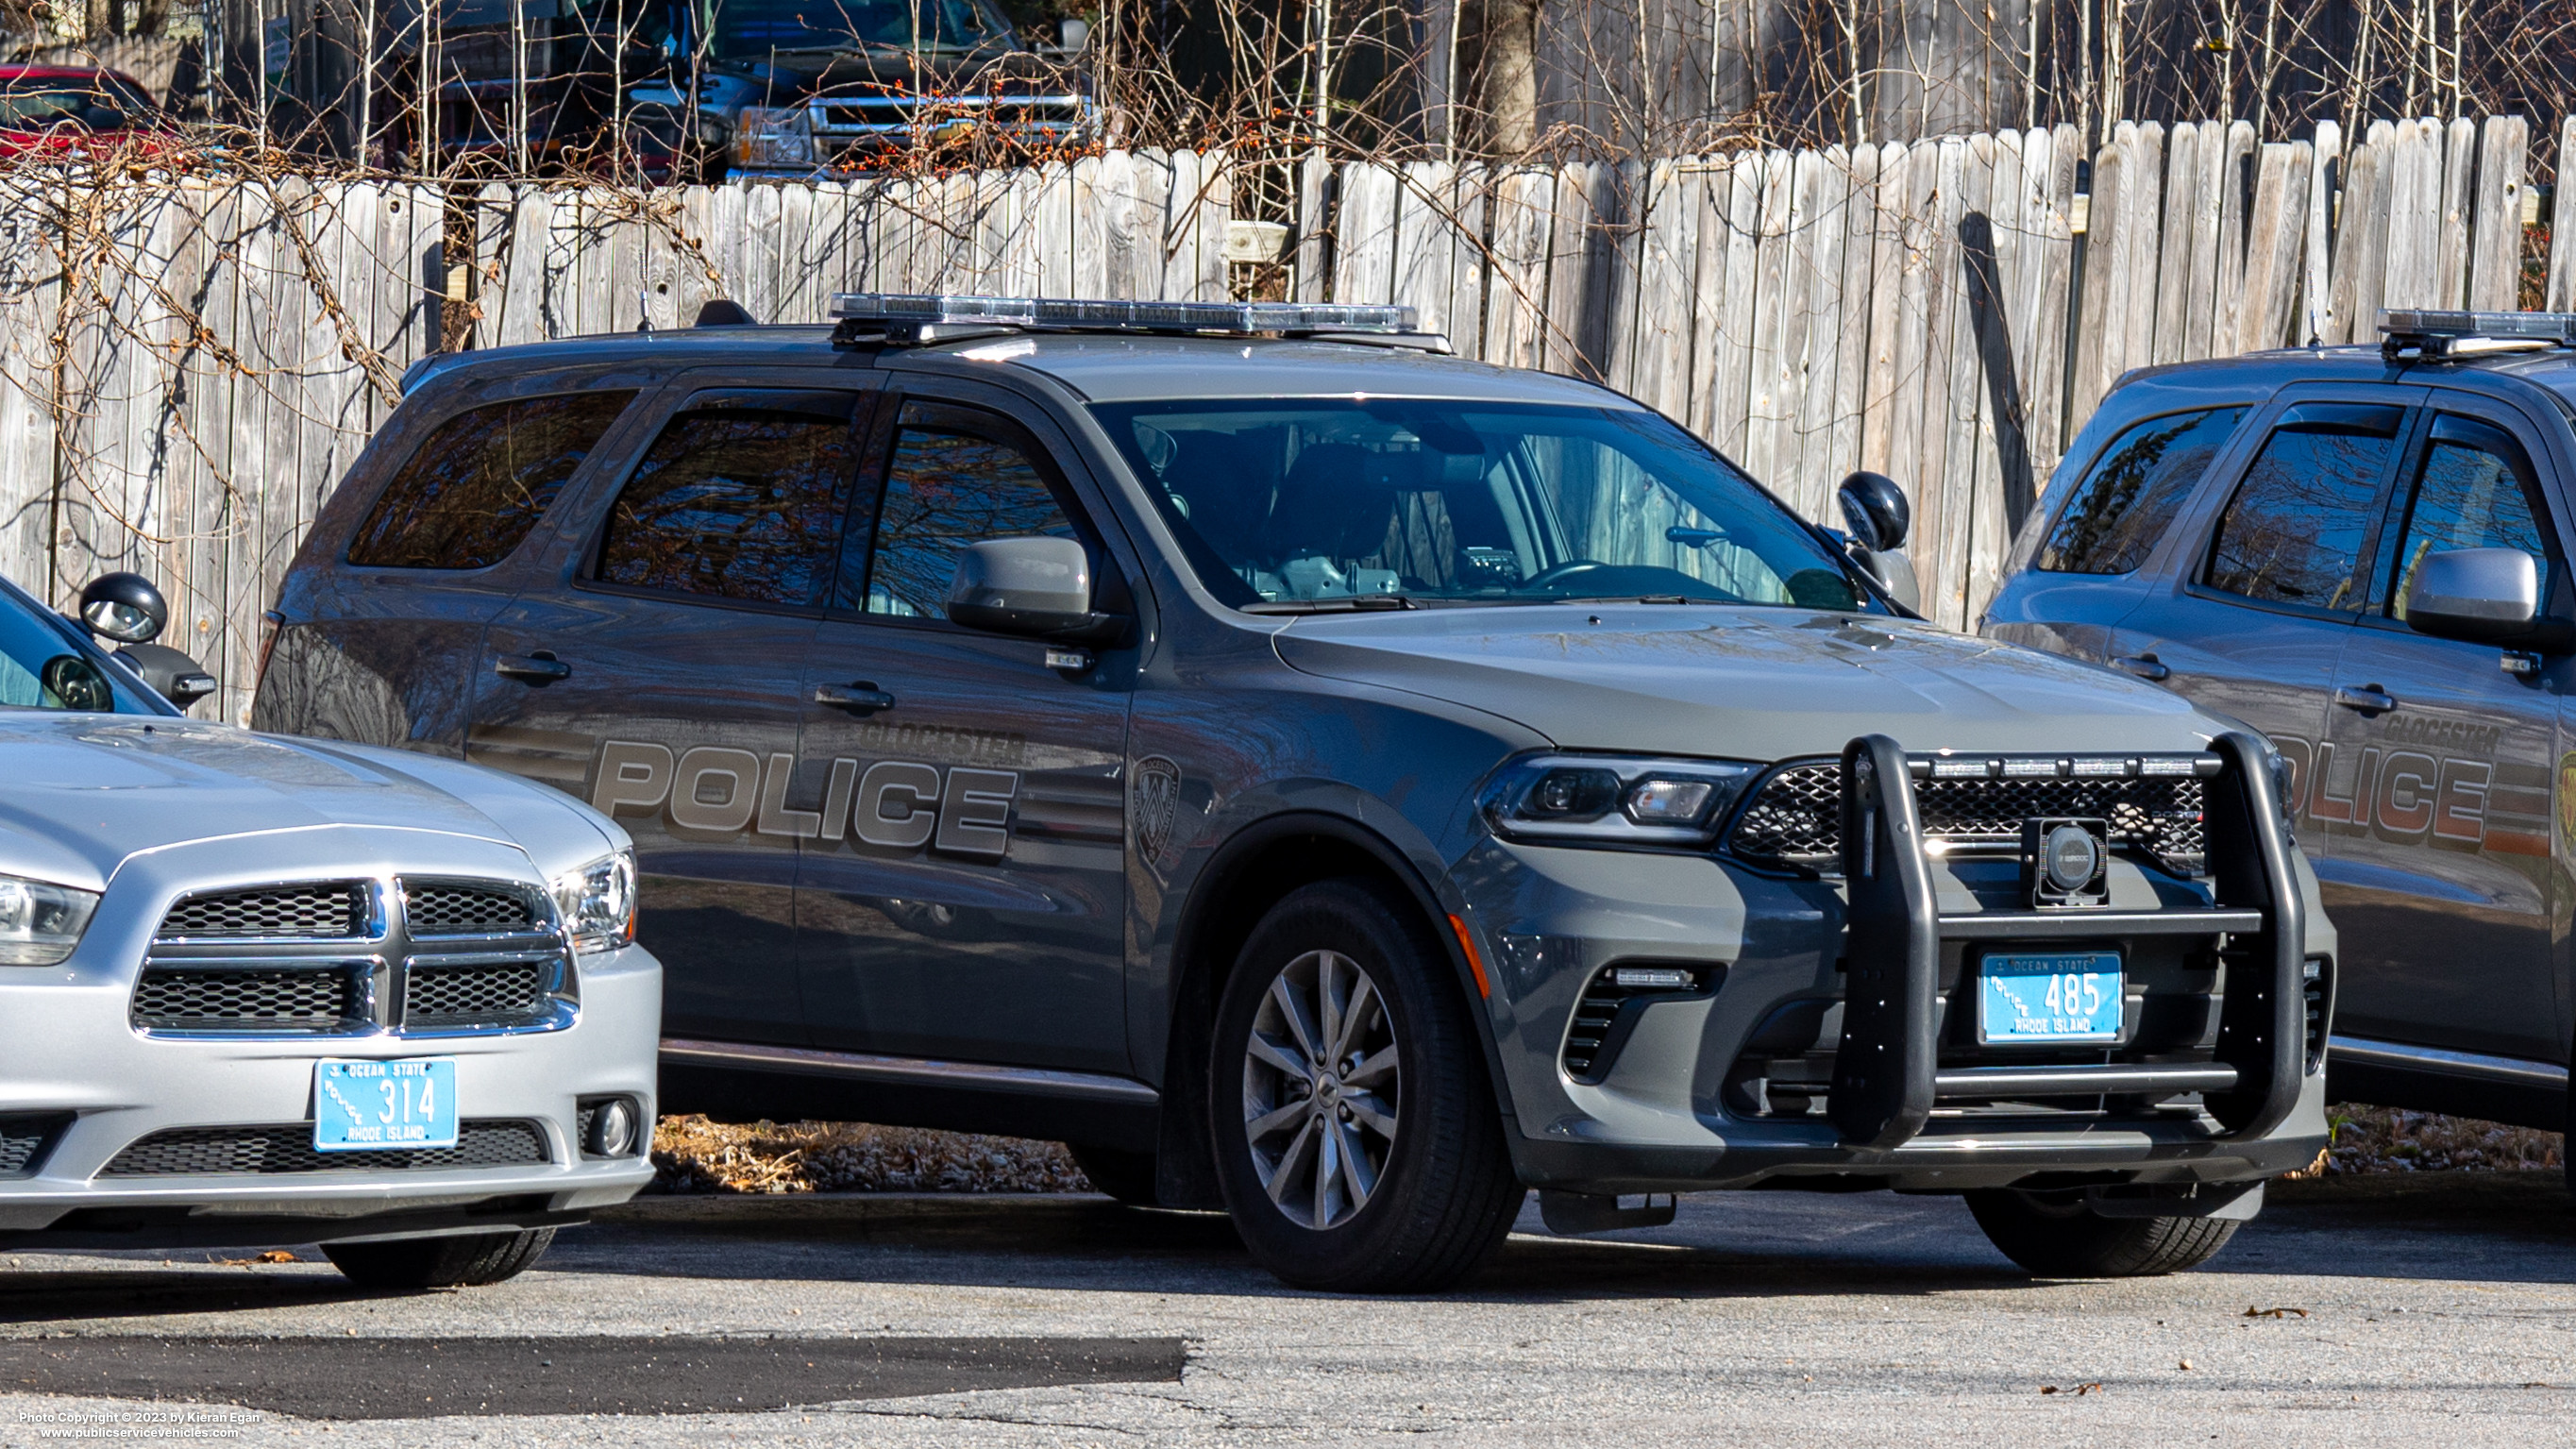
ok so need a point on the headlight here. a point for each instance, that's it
(1613, 799)
(774, 136)
(597, 903)
(40, 922)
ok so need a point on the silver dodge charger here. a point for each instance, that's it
(256, 990)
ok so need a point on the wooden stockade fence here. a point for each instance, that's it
(193, 367)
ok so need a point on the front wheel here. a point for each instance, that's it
(410, 1264)
(1357, 1138)
(2055, 1235)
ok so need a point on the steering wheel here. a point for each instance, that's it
(1558, 573)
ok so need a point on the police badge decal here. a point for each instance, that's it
(1156, 806)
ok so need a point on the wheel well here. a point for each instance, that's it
(1254, 872)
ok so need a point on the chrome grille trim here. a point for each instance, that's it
(434, 956)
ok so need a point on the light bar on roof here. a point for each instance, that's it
(1074, 314)
(2502, 326)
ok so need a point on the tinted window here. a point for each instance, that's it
(1281, 503)
(2295, 531)
(2474, 490)
(2115, 517)
(742, 502)
(949, 482)
(475, 486)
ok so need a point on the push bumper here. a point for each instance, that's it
(1661, 1119)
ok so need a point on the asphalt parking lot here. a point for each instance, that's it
(2438, 1308)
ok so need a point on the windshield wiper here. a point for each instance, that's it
(1341, 604)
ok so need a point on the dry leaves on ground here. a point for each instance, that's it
(2387, 1139)
(692, 1154)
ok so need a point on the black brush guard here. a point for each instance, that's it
(1886, 1068)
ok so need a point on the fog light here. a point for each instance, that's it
(1651, 978)
(612, 1129)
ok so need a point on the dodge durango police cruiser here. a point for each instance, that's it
(2362, 553)
(1322, 778)
(271, 991)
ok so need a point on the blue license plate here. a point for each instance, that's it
(2049, 996)
(371, 1106)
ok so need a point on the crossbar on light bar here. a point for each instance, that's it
(2503, 326)
(1076, 314)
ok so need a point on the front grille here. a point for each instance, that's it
(457, 995)
(23, 1141)
(464, 910)
(320, 910)
(288, 1148)
(323, 997)
(1795, 817)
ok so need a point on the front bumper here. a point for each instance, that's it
(1681, 1106)
(72, 1061)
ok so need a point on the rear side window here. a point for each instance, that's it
(2115, 517)
(740, 501)
(475, 486)
(2297, 528)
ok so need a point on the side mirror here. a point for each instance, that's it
(2485, 595)
(1875, 511)
(124, 607)
(1038, 587)
(173, 675)
(1073, 34)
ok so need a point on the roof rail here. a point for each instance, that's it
(2434, 333)
(922, 317)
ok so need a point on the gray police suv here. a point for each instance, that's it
(1325, 779)
(2361, 552)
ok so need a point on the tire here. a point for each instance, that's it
(1426, 1189)
(2055, 1236)
(410, 1264)
(1126, 1176)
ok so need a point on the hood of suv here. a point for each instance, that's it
(87, 791)
(1750, 683)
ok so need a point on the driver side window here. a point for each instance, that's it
(2474, 489)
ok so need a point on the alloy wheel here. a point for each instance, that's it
(1321, 1090)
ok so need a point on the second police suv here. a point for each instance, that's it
(1325, 779)
(2361, 552)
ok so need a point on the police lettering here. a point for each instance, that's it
(892, 804)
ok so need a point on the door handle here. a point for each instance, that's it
(540, 668)
(2146, 666)
(2369, 699)
(860, 698)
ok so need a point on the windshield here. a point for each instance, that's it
(42, 668)
(97, 103)
(1313, 501)
(750, 29)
